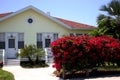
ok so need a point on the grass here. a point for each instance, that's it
(5, 75)
(109, 68)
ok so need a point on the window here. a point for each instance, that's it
(2, 40)
(47, 42)
(30, 20)
(71, 34)
(76, 34)
(55, 35)
(86, 34)
(39, 40)
(11, 43)
(20, 40)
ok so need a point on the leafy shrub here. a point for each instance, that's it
(84, 52)
(32, 53)
(26, 64)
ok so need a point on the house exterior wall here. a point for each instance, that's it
(19, 23)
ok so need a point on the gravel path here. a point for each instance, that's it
(43, 74)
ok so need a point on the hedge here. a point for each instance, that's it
(85, 52)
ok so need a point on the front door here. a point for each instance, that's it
(47, 39)
(11, 46)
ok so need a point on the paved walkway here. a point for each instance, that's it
(42, 74)
(31, 73)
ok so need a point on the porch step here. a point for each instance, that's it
(13, 62)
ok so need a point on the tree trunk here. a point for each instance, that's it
(37, 59)
(63, 74)
(30, 60)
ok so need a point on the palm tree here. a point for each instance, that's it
(32, 53)
(39, 53)
(109, 24)
(112, 8)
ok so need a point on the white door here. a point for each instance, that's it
(47, 39)
(12, 46)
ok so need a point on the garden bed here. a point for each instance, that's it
(26, 64)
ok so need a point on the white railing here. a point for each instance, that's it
(2, 55)
(18, 53)
(48, 55)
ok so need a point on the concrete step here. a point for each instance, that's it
(13, 62)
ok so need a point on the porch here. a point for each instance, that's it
(16, 61)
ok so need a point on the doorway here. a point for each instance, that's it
(11, 45)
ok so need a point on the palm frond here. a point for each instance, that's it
(112, 8)
(101, 17)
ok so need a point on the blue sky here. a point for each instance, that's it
(83, 11)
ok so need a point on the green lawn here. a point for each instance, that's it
(5, 75)
(109, 68)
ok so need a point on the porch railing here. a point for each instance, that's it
(48, 55)
(2, 55)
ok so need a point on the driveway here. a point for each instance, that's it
(42, 74)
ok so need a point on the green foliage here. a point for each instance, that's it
(5, 75)
(112, 8)
(32, 53)
(26, 64)
(109, 24)
(95, 33)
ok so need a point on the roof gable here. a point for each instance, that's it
(65, 23)
(35, 9)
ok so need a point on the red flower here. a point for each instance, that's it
(84, 51)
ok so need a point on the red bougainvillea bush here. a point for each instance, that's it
(76, 53)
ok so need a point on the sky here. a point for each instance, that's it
(82, 11)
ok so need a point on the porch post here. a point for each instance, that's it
(4, 58)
